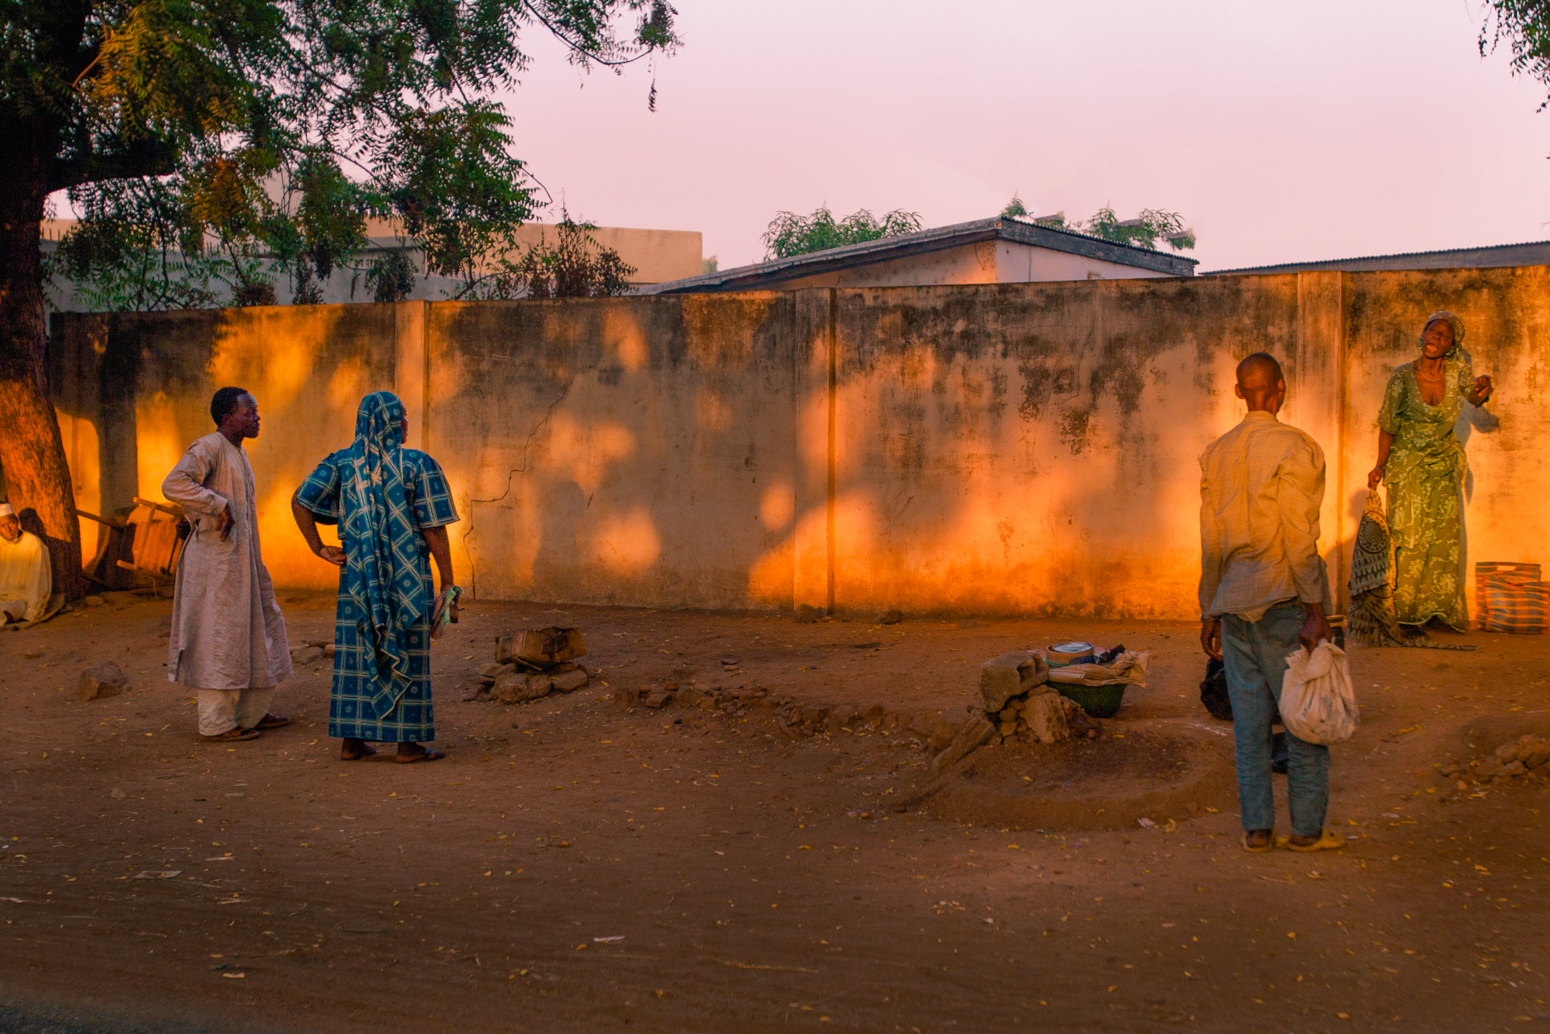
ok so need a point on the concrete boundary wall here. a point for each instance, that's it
(1015, 448)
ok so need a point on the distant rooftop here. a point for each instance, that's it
(1019, 229)
(1494, 256)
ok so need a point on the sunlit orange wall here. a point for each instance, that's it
(1033, 450)
(630, 451)
(999, 448)
(1506, 315)
(135, 391)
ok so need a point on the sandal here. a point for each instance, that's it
(364, 752)
(232, 736)
(273, 721)
(425, 754)
(1327, 841)
(1268, 845)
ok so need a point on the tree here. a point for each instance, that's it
(1525, 25)
(229, 134)
(1145, 231)
(790, 234)
(575, 266)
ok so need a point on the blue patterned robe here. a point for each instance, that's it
(363, 683)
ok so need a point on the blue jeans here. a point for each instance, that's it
(1255, 654)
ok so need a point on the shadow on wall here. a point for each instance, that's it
(139, 385)
(1028, 448)
(615, 451)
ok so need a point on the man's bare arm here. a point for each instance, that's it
(1211, 637)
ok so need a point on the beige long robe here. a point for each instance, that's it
(227, 629)
(25, 580)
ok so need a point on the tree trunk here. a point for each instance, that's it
(32, 454)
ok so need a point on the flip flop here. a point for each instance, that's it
(366, 752)
(232, 736)
(425, 755)
(273, 721)
(1327, 841)
(1268, 845)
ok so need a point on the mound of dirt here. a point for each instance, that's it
(1157, 769)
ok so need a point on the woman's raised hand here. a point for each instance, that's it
(1483, 390)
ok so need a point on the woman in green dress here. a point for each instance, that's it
(1422, 461)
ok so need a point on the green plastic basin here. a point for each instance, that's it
(1098, 701)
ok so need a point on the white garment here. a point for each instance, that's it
(222, 710)
(25, 581)
(227, 629)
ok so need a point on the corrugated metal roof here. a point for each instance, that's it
(1445, 259)
(1024, 230)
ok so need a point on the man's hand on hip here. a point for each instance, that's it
(1316, 628)
(1211, 637)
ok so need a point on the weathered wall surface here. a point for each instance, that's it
(133, 391)
(1506, 315)
(625, 451)
(1034, 450)
(1011, 448)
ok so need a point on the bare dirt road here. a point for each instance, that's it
(576, 866)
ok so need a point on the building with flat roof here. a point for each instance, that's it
(657, 255)
(1002, 250)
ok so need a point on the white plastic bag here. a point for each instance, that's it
(1318, 702)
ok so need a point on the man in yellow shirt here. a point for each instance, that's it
(1264, 590)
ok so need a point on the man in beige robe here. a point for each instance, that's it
(228, 636)
(24, 573)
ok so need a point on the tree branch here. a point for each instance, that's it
(144, 156)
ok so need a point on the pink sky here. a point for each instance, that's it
(1280, 131)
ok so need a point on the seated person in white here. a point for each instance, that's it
(25, 581)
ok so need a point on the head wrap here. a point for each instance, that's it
(1453, 321)
(6, 511)
(382, 544)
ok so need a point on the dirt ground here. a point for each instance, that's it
(576, 866)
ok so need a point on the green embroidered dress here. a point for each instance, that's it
(1425, 475)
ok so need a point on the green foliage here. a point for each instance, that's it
(262, 133)
(1525, 25)
(790, 234)
(1143, 232)
(462, 194)
(132, 251)
(575, 266)
(390, 278)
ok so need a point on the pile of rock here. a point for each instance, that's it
(1019, 702)
(311, 651)
(1017, 705)
(799, 721)
(1526, 756)
(531, 664)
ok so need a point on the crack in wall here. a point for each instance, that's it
(473, 574)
